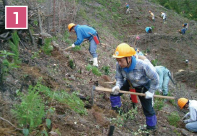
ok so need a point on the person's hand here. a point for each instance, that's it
(73, 45)
(185, 121)
(186, 115)
(115, 90)
(149, 95)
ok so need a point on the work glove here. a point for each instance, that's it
(186, 121)
(149, 95)
(73, 45)
(186, 115)
(115, 90)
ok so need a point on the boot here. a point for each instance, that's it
(95, 62)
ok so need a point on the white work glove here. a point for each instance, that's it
(186, 115)
(73, 45)
(160, 90)
(186, 121)
(149, 95)
(115, 90)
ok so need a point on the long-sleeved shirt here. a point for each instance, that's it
(83, 32)
(139, 76)
(192, 111)
(163, 15)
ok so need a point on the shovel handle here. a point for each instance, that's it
(125, 92)
(67, 48)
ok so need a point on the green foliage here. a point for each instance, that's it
(154, 62)
(47, 48)
(121, 120)
(66, 38)
(106, 70)
(71, 64)
(48, 123)
(173, 119)
(76, 48)
(72, 100)
(31, 109)
(187, 8)
(94, 70)
(14, 47)
(6, 66)
(35, 55)
(25, 132)
(159, 103)
(36, 22)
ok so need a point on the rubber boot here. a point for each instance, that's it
(95, 62)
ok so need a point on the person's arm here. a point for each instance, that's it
(192, 113)
(153, 76)
(79, 38)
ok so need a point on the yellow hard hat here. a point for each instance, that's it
(124, 50)
(70, 26)
(182, 102)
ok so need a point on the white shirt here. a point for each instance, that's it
(192, 111)
(163, 15)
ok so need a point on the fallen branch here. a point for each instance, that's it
(11, 124)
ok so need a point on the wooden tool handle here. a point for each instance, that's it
(67, 48)
(125, 92)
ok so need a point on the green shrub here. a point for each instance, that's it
(31, 109)
(71, 64)
(159, 103)
(94, 69)
(173, 119)
(47, 48)
(72, 100)
(6, 66)
(14, 47)
(154, 62)
(106, 70)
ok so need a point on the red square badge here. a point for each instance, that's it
(16, 17)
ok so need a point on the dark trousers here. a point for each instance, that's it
(146, 103)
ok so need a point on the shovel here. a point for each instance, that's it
(126, 92)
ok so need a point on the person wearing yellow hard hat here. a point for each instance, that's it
(152, 15)
(141, 75)
(191, 123)
(85, 32)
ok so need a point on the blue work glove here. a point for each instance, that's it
(149, 95)
(115, 90)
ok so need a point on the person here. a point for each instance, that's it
(185, 25)
(184, 29)
(163, 15)
(191, 105)
(152, 15)
(85, 32)
(138, 52)
(141, 76)
(127, 7)
(148, 29)
(164, 79)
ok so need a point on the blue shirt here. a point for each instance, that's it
(183, 30)
(82, 32)
(147, 29)
(139, 76)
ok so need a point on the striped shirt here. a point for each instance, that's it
(139, 76)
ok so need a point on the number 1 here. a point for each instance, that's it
(16, 17)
